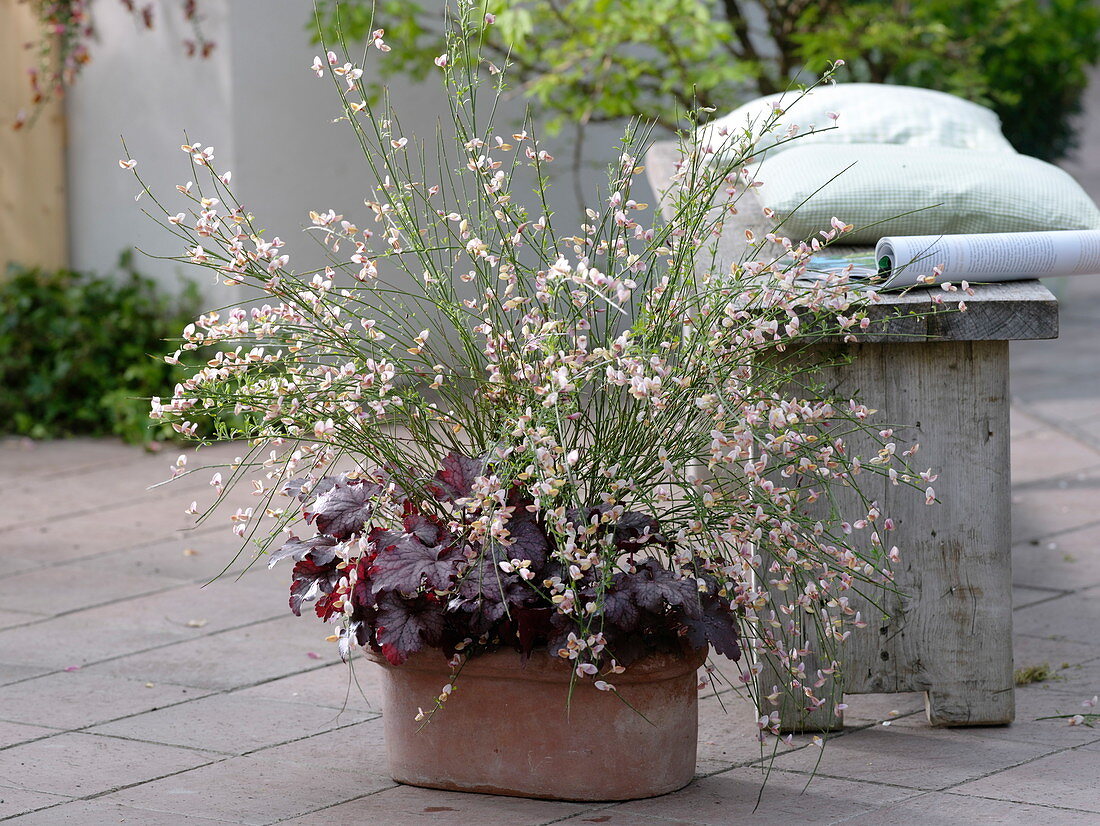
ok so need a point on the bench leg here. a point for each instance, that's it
(949, 631)
(970, 704)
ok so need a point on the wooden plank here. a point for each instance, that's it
(996, 312)
(33, 213)
(946, 626)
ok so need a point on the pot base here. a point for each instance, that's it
(511, 728)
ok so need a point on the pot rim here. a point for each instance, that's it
(541, 667)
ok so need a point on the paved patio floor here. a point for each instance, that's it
(128, 694)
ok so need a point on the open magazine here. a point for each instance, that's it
(905, 261)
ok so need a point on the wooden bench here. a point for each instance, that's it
(942, 379)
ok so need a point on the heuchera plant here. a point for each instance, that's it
(423, 582)
(595, 443)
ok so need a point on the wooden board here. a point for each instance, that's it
(947, 627)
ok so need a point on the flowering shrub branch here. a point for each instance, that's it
(507, 453)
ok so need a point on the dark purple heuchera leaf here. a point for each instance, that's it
(320, 548)
(403, 561)
(634, 530)
(295, 487)
(404, 626)
(344, 509)
(428, 529)
(561, 625)
(310, 582)
(650, 590)
(583, 517)
(456, 479)
(718, 623)
(488, 594)
(619, 607)
(718, 626)
(528, 540)
(653, 588)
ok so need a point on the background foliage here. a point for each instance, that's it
(75, 352)
(587, 61)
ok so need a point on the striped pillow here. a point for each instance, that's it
(952, 190)
(867, 113)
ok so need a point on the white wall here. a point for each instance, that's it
(140, 85)
(255, 100)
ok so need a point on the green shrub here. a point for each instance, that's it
(588, 61)
(81, 354)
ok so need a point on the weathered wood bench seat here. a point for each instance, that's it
(943, 377)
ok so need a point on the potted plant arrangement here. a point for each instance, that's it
(482, 474)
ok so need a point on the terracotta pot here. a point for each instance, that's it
(510, 728)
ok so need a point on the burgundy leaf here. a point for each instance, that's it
(456, 479)
(532, 624)
(326, 607)
(321, 549)
(310, 582)
(343, 509)
(403, 562)
(407, 625)
(428, 529)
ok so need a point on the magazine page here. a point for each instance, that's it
(860, 265)
(1002, 256)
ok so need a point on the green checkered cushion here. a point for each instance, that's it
(866, 113)
(965, 191)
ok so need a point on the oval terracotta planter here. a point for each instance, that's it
(510, 728)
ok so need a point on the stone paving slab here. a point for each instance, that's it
(1067, 779)
(178, 614)
(9, 619)
(951, 809)
(355, 687)
(415, 807)
(87, 812)
(1066, 560)
(1034, 703)
(14, 801)
(1057, 653)
(278, 783)
(78, 699)
(12, 734)
(231, 723)
(1047, 454)
(913, 758)
(81, 765)
(1073, 617)
(235, 658)
(1049, 506)
(731, 796)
